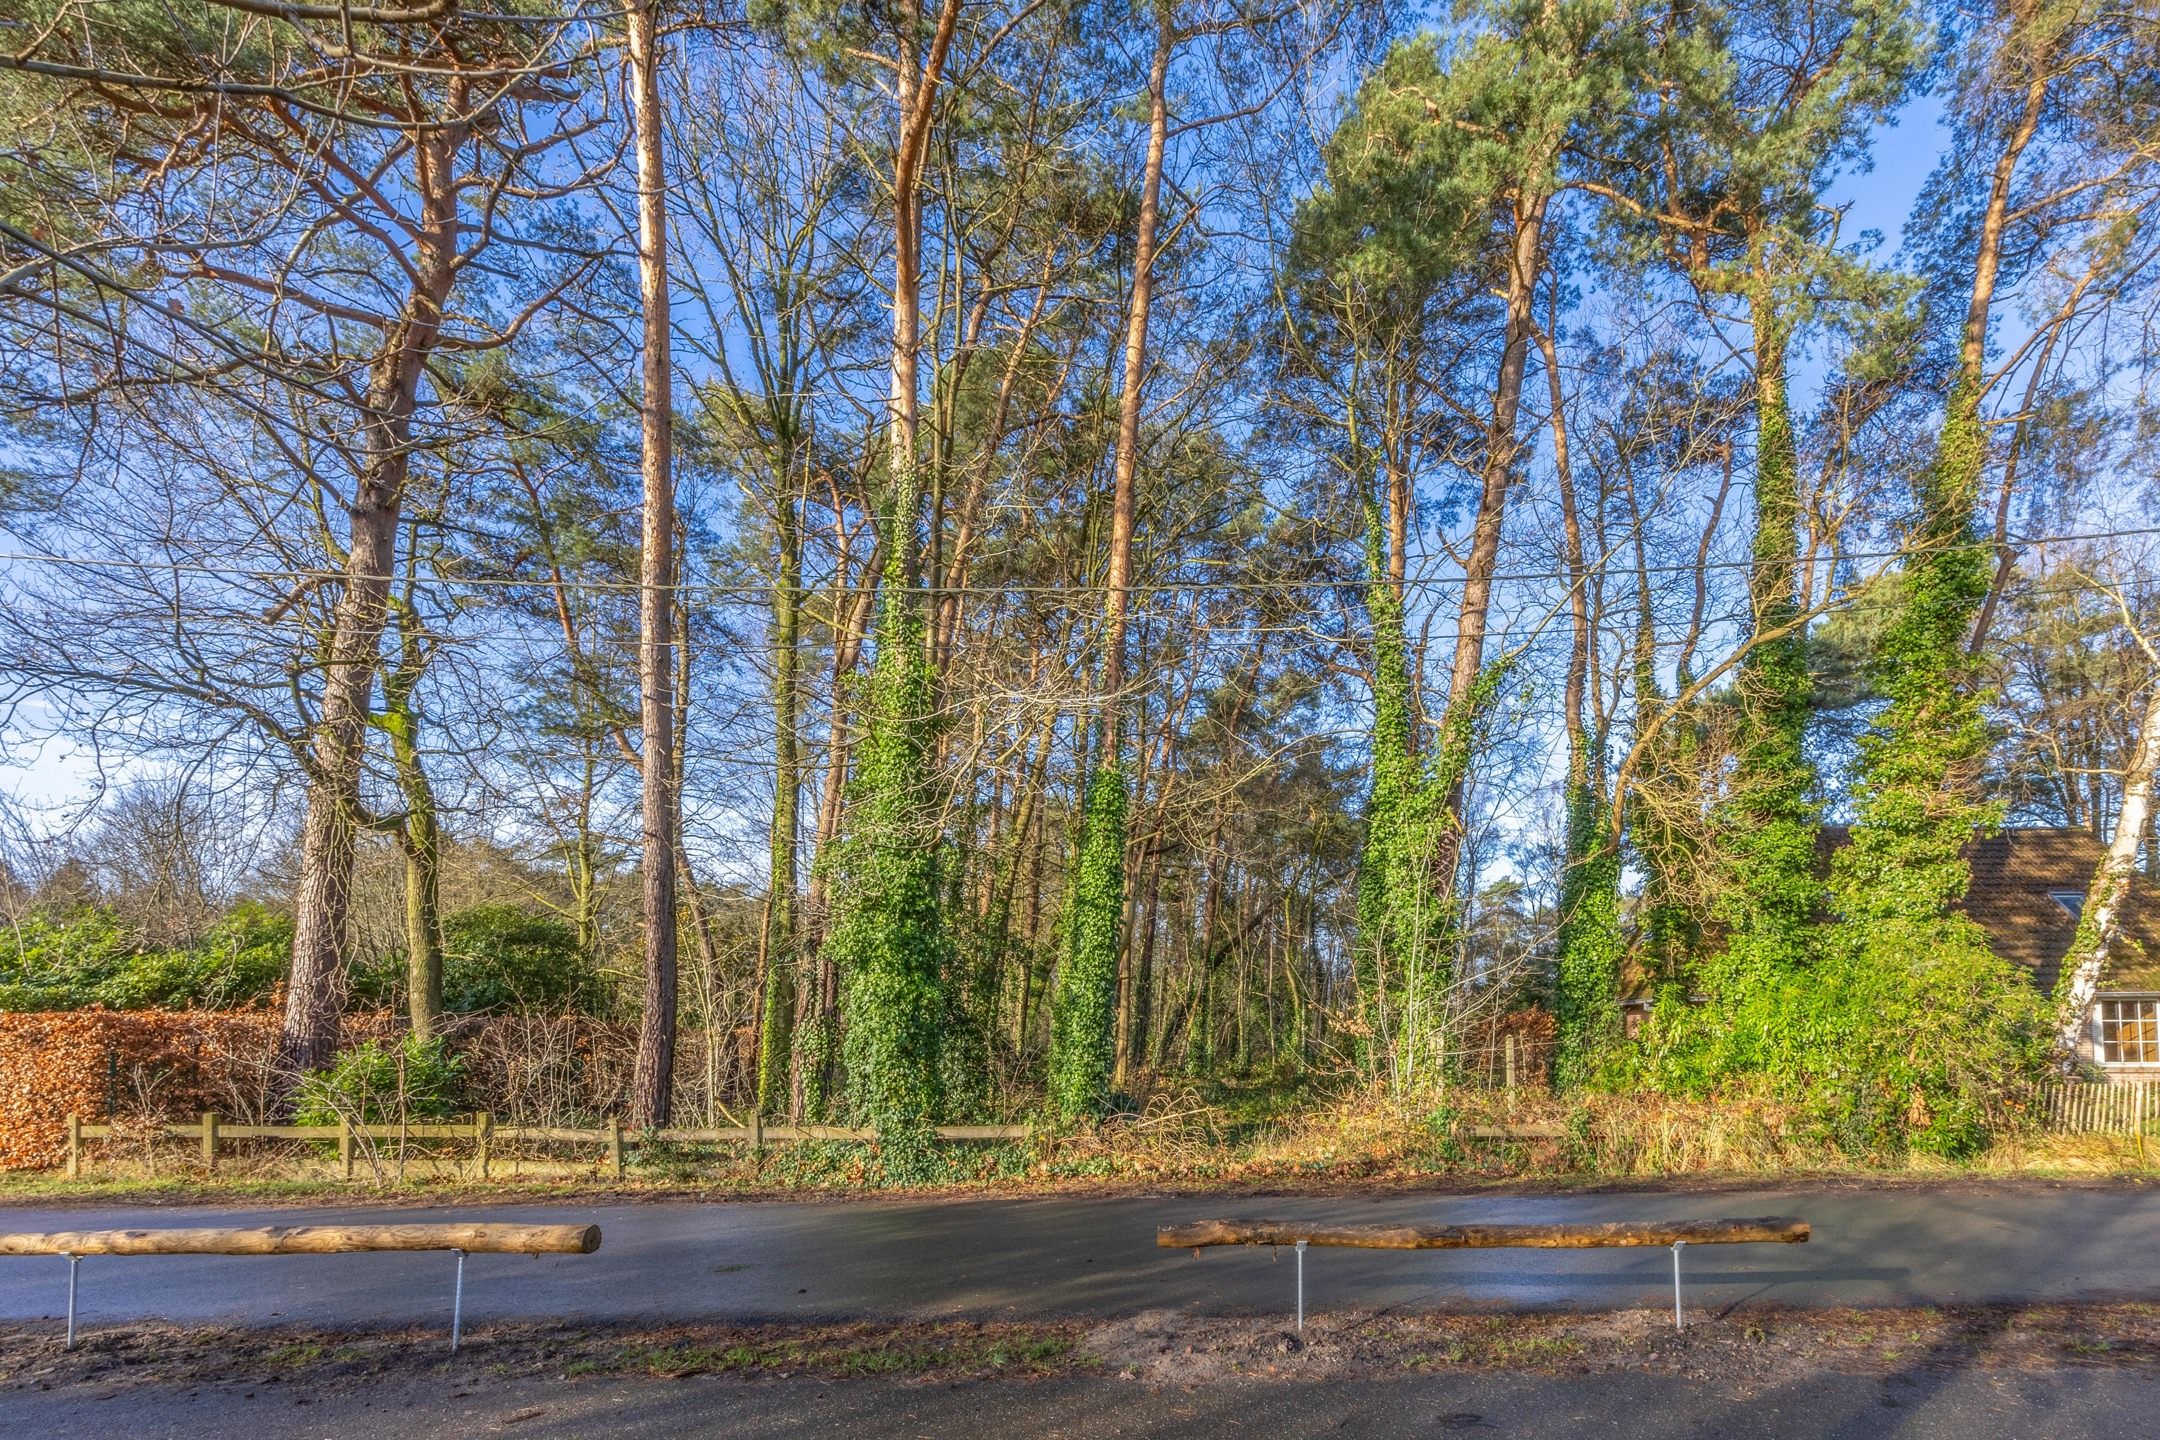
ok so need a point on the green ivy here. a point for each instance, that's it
(1406, 918)
(90, 957)
(776, 1035)
(1770, 896)
(888, 934)
(1083, 1042)
(1919, 802)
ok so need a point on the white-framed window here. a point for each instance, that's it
(2126, 1031)
(2072, 901)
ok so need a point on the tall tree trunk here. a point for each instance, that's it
(1087, 1039)
(652, 1085)
(315, 991)
(1771, 896)
(1466, 697)
(419, 834)
(1918, 803)
(887, 934)
(776, 1033)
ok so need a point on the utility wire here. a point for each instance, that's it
(762, 590)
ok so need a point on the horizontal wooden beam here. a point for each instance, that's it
(1769, 1230)
(477, 1239)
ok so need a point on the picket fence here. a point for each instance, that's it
(2089, 1107)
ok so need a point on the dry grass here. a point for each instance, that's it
(1181, 1139)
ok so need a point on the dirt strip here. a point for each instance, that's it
(1762, 1345)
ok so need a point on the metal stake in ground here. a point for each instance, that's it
(73, 1262)
(1301, 1286)
(457, 1302)
(1677, 1323)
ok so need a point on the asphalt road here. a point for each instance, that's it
(1956, 1404)
(750, 1261)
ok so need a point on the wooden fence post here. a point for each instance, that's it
(74, 1144)
(484, 1135)
(757, 1127)
(209, 1142)
(344, 1146)
(1509, 1051)
(614, 1144)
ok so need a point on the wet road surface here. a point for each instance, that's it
(1056, 1257)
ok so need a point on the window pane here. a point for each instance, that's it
(2142, 1033)
(2128, 1031)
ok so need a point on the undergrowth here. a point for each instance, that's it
(1198, 1138)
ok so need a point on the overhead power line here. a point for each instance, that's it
(754, 590)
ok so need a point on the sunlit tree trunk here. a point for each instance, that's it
(651, 1094)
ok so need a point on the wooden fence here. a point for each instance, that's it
(2097, 1107)
(485, 1134)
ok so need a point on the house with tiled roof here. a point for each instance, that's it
(2027, 891)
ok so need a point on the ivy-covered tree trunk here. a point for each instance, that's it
(1769, 894)
(1082, 1045)
(1591, 944)
(419, 831)
(1406, 915)
(888, 938)
(1919, 801)
(1394, 905)
(888, 941)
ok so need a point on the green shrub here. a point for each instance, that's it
(504, 957)
(1900, 1035)
(378, 1083)
(90, 958)
(242, 959)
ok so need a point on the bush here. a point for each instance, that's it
(1901, 1035)
(377, 1083)
(506, 958)
(89, 958)
(242, 959)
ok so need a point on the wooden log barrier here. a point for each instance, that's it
(1768, 1230)
(1676, 1234)
(474, 1239)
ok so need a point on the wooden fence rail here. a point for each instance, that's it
(2088, 1107)
(485, 1135)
